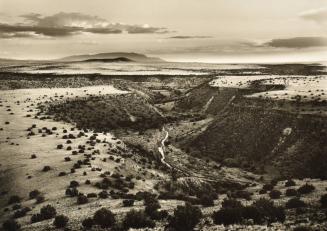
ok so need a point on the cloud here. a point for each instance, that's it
(189, 37)
(317, 15)
(298, 42)
(68, 24)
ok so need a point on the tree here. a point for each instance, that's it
(104, 217)
(185, 217)
(137, 220)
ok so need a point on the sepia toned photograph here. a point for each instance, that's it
(165, 115)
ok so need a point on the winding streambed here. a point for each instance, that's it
(162, 148)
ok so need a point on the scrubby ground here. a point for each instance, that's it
(91, 157)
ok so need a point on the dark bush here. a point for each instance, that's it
(14, 199)
(294, 203)
(46, 168)
(269, 212)
(305, 189)
(290, 183)
(88, 223)
(103, 194)
(137, 220)
(21, 212)
(82, 199)
(60, 146)
(73, 184)
(207, 200)
(104, 218)
(228, 216)
(48, 212)
(260, 211)
(40, 199)
(185, 217)
(36, 218)
(231, 203)
(11, 225)
(60, 221)
(323, 201)
(128, 203)
(275, 194)
(72, 192)
(303, 228)
(290, 192)
(92, 195)
(33, 194)
(242, 194)
(62, 174)
(268, 187)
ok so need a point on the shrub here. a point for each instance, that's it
(104, 217)
(60, 221)
(11, 225)
(242, 194)
(60, 146)
(39, 199)
(185, 217)
(269, 212)
(151, 205)
(290, 183)
(294, 203)
(227, 216)
(88, 223)
(128, 203)
(268, 187)
(33, 194)
(91, 195)
(72, 192)
(231, 203)
(73, 184)
(323, 201)
(207, 200)
(48, 212)
(21, 212)
(14, 199)
(151, 209)
(82, 199)
(62, 174)
(275, 194)
(103, 194)
(290, 192)
(302, 228)
(137, 220)
(305, 189)
(36, 218)
(260, 211)
(46, 168)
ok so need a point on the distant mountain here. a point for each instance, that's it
(120, 59)
(102, 56)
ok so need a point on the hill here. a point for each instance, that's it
(120, 59)
(132, 56)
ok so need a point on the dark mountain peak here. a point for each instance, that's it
(114, 55)
(119, 59)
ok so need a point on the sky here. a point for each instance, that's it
(176, 30)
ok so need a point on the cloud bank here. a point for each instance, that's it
(298, 42)
(189, 37)
(69, 24)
